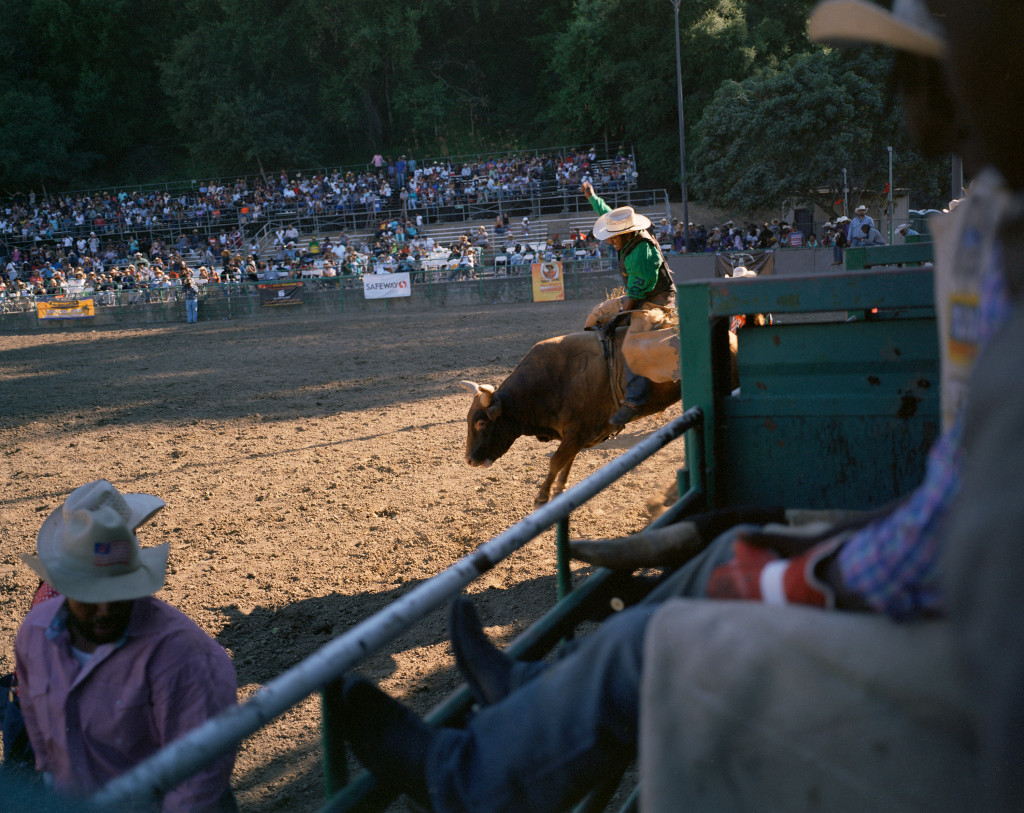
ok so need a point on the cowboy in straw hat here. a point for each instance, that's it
(861, 218)
(108, 674)
(648, 284)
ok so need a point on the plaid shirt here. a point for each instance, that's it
(892, 563)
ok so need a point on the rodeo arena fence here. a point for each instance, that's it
(143, 304)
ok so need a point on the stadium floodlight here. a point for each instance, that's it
(682, 135)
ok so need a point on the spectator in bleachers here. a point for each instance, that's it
(439, 187)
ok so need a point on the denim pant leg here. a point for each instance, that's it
(542, 747)
(638, 388)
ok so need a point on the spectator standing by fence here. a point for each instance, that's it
(191, 293)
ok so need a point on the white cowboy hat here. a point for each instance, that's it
(619, 221)
(908, 27)
(88, 550)
(742, 271)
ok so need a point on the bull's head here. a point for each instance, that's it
(488, 437)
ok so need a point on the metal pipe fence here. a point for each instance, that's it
(164, 770)
(240, 299)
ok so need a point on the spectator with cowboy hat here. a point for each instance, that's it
(648, 284)
(108, 674)
(861, 218)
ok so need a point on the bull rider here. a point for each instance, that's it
(648, 285)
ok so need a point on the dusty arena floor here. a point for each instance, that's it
(313, 471)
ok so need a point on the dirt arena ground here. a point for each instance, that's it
(313, 471)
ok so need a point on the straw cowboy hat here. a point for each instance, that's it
(742, 271)
(88, 550)
(908, 27)
(619, 221)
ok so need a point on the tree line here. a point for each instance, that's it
(122, 92)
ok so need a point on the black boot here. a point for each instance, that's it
(389, 739)
(487, 669)
(627, 412)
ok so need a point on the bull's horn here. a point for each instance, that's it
(485, 391)
(658, 547)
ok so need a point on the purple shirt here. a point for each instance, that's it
(88, 724)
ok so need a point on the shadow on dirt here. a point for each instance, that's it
(266, 642)
(307, 366)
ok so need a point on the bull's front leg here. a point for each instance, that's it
(558, 472)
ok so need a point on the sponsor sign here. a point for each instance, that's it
(385, 286)
(548, 283)
(275, 294)
(66, 309)
(761, 263)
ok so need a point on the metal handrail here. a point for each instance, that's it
(169, 767)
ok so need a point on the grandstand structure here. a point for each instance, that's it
(541, 185)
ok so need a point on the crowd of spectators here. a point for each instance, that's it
(359, 197)
(749, 236)
(53, 245)
(50, 244)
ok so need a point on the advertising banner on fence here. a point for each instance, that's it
(384, 286)
(762, 263)
(273, 294)
(66, 309)
(548, 285)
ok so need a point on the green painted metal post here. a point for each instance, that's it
(335, 759)
(562, 549)
(697, 378)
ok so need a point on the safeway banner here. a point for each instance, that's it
(66, 309)
(385, 286)
(548, 284)
(275, 294)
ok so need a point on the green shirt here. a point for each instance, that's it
(641, 263)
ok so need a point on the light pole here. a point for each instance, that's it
(890, 196)
(682, 136)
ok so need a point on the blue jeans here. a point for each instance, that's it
(566, 725)
(192, 310)
(638, 388)
(543, 746)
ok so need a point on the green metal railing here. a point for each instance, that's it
(322, 670)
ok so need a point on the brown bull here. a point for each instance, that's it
(561, 390)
